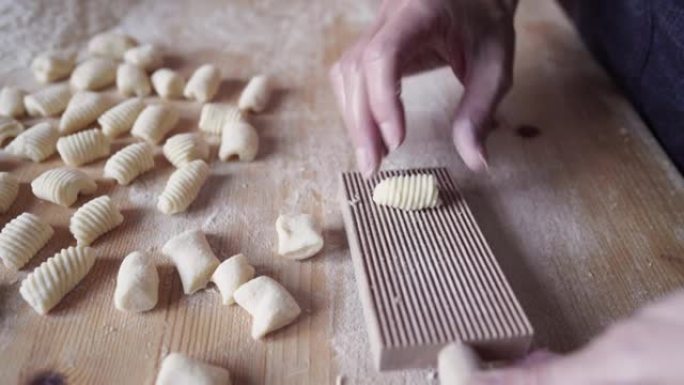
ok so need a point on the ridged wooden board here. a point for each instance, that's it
(428, 277)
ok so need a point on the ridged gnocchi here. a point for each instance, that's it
(9, 189)
(22, 238)
(131, 80)
(12, 102)
(203, 84)
(83, 147)
(167, 83)
(147, 57)
(238, 140)
(407, 192)
(182, 187)
(182, 149)
(111, 44)
(62, 185)
(95, 218)
(93, 74)
(9, 128)
(49, 101)
(83, 109)
(154, 122)
(129, 162)
(53, 66)
(120, 118)
(215, 116)
(37, 143)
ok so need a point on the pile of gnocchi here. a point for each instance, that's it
(89, 122)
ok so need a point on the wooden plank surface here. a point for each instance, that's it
(583, 210)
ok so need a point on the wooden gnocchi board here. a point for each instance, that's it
(580, 204)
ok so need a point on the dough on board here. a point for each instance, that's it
(298, 237)
(21, 238)
(269, 303)
(37, 143)
(230, 275)
(407, 192)
(457, 363)
(179, 369)
(195, 261)
(137, 284)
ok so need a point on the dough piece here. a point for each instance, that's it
(83, 147)
(9, 189)
(148, 57)
(94, 74)
(9, 128)
(409, 192)
(215, 116)
(120, 118)
(111, 44)
(137, 284)
(53, 66)
(167, 83)
(21, 238)
(182, 187)
(269, 304)
(62, 185)
(254, 97)
(94, 219)
(36, 143)
(154, 122)
(238, 140)
(50, 101)
(456, 364)
(195, 261)
(131, 80)
(182, 149)
(129, 162)
(83, 109)
(230, 275)
(203, 84)
(45, 286)
(298, 237)
(12, 102)
(179, 369)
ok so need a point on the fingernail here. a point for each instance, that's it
(392, 140)
(365, 162)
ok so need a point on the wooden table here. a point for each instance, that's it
(583, 210)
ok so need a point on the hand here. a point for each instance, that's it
(646, 349)
(474, 37)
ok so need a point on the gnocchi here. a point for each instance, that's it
(230, 275)
(83, 147)
(182, 187)
(154, 122)
(255, 96)
(238, 140)
(269, 304)
(62, 185)
(95, 218)
(9, 128)
(147, 57)
(9, 189)
(36, 143)
(457, 363)
(120, 118)
(83, 109)
(408, 192)
(131, 80)
(21, 238)
(215, 116)
(182, 149)
(45, 286)
(53, 66)
(179, 369)
(137, 284)
(203, 84)
(49, 101)
(195, 261)
(93, 74)
(129, 162)
(298, 237)
(167, 83)
(12, 102)
(110, 44)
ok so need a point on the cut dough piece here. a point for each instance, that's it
(12, 102)
(148, 57)
(45, 286)
(111, 44)
(203, 84)
(254, 97)
(131, 80)
(230, 275)
(239, 140)
(137, 284)
(9, 189)
(182, 187)
(167, 83)
(298, 237)
(195, 261)
(53, 66)
(9, 128)
(154, 122)
(215, 116)
(83, 147)
(457, 363)
(49, 101)
(120, 118)
(94, 219)
(179, 369)
(36, 143)
(62, 185)
(182, 149)
(83, 109)
(408, 192)
(269, 303)
(21, 238)
(94, 74)
(129, 162)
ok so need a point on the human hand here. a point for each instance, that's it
(474, 37)
(646, 349)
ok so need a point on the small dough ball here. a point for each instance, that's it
(148, 56)
(298, 237)
(137, 284)
(194, 259)
(238, 140)
(167, 83)
(269, 303)
(179, 369)
(230, 275)
(110, 44)
(457, 363)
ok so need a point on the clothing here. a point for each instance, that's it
(641, 43)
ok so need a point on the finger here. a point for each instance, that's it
(486, 81)
(337, 83)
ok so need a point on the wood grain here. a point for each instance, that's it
(586, 215)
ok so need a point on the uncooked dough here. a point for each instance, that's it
(298, 237)
(408, 192)
(194, 259)
(179, 369)
(269, 303)
(457, 362)
(137, 284)
(230, 275)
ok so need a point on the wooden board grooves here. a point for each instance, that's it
(428, 277)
